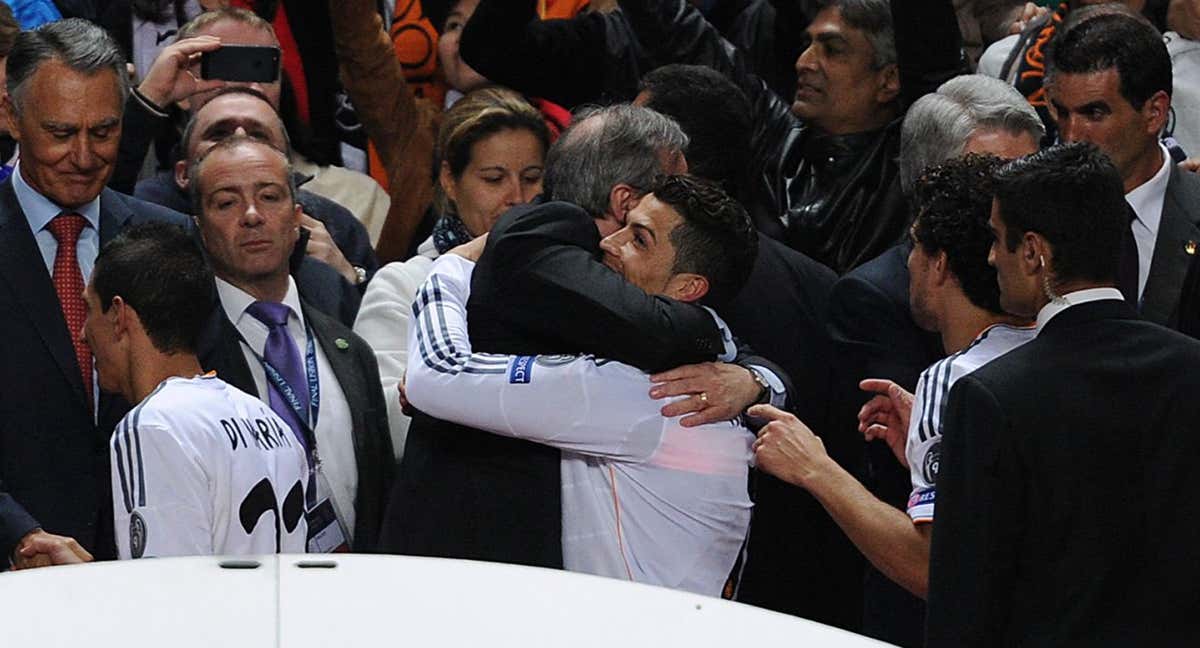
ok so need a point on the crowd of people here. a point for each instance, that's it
(697, 294)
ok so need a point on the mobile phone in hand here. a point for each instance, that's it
(246, 63)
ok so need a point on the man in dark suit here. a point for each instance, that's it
(1066, 508)
(267, 340)
(539, 288)
(66, 85)
(1109, 82)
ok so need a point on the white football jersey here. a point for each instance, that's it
(200, 467)
(643, 498)
(924, 446)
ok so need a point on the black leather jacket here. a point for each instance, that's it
(834, 198)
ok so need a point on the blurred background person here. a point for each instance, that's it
(403, 125)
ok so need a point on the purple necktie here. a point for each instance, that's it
(281, 353)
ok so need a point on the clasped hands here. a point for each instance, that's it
(41, 549)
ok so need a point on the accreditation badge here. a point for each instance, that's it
(326, 534)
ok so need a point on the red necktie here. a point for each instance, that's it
(68, 283)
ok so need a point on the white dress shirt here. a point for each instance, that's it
(334, 436)
(39, 211)
(1147, 202)
(1049, 311)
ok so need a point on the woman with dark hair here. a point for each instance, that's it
(489, 156)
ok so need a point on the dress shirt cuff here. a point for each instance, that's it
(150, 106)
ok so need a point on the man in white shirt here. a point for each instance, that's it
(316, 375)
(1109, 83)
(644, 498)
(199, 467)
(953, 292)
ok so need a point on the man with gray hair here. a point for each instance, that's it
(66, 88)
(539, 288)
(969, 113)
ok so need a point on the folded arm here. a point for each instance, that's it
(547, 255)
(574, 403)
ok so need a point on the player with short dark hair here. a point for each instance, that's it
(645, 498)
(197, 463)
(715, 239)
(154, 270)
(1082, 218)
(948, 280)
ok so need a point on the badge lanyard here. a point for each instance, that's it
(306, 417)
(308, 440)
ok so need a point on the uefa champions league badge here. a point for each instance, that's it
(137, 535)
(933, 462)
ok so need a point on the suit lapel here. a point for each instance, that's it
(1169, 266)
(114, 214)
(24, 269)
(335, 341)
(343, 362)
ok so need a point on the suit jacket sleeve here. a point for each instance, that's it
(928, 46)
(15, 523)
(676, 32)
(977, 522)
(550, 402)
(862, 326)
(139, 126)
(385, 454)
(585, 59)
(548, 253)
(783, 397)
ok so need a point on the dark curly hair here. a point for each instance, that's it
(953, 202)
(716, 239)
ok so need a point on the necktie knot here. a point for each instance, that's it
(66, 228)
(273, 314)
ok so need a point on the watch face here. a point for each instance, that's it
(765, 393)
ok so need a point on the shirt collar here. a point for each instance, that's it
(729, 351)
(39, 210)
(1056, 306)
(235, 301)
(1150, 193)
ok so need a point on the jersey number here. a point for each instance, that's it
(261, 499)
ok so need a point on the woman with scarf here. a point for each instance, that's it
(488, 158)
